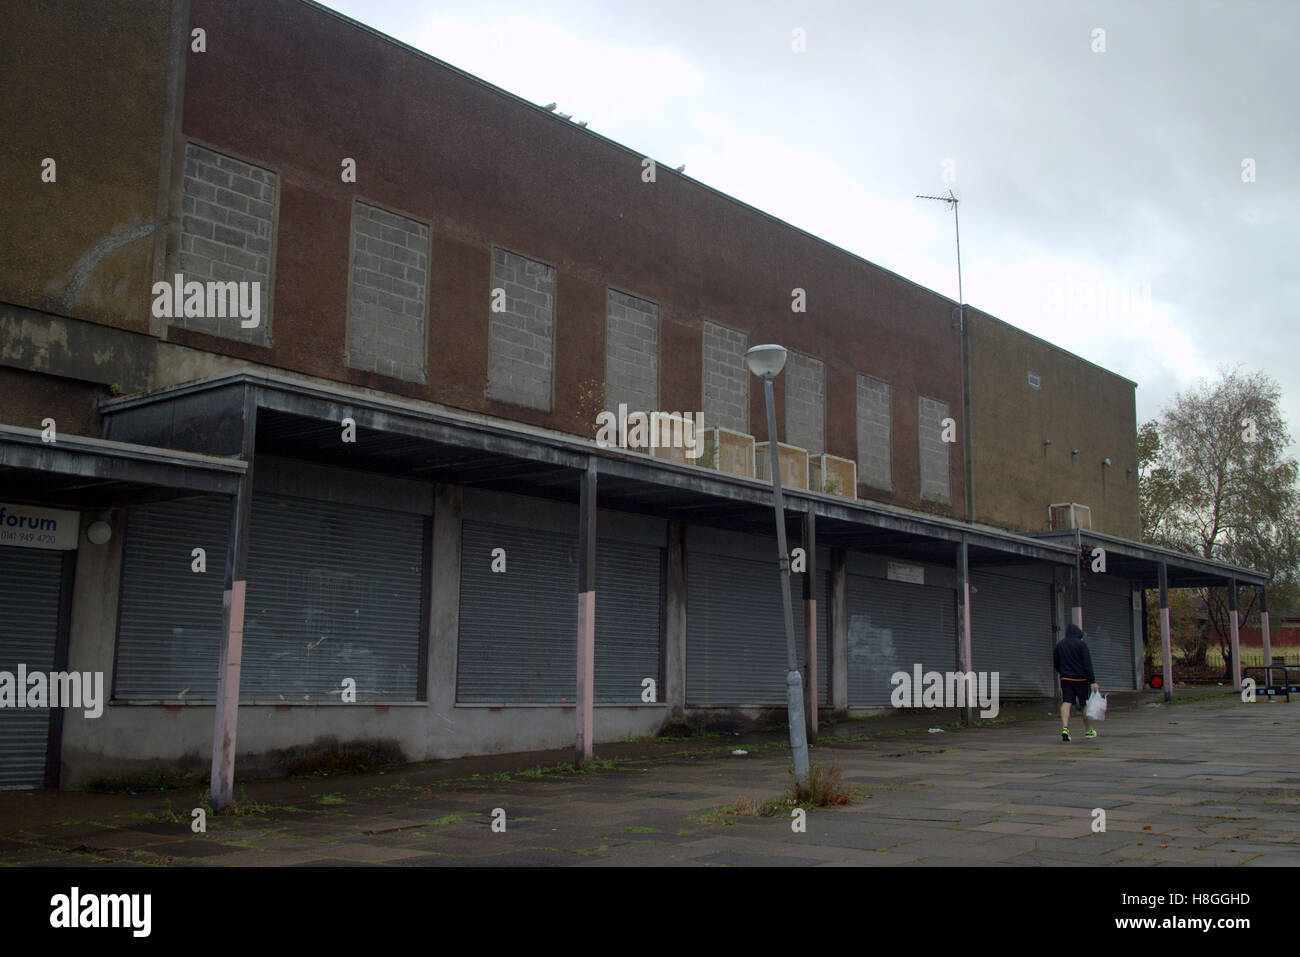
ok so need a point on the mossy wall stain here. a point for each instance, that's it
(89, 94)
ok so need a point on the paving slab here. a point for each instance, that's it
(1213, 780)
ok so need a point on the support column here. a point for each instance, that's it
(1145, 632)
(674, 692)
(1139, 628)
(839, 630)
(812, 669)
(225, 723)
(444, 607)
(1060, 585)
(1234, 634)
(963, 627)
(1076, 594)
(586, 658)
(1263, 626)
(1167, 651)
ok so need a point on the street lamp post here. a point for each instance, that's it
(766, 362)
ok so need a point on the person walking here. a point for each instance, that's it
(1073, 663)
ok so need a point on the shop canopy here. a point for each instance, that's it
(306, 420)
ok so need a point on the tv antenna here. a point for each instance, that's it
(952, 201)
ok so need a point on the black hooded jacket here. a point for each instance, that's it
(1071, 657)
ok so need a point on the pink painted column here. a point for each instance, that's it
(1165, 646)
(1234, 635)
(812, 696)
(963, 626)
(1263, 626)
(225, 720)
(586, 651)
(586, 676)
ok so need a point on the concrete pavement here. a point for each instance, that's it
(1208, 782)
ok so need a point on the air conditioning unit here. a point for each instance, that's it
(1069, 515)
(832, 475)
(727, 451)
(791, 460)
(672, 435)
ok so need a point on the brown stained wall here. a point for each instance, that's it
(83, 84)
(30, 398)
(1078, 406)
(290, 86)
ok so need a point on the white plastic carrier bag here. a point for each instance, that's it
(1096, 709)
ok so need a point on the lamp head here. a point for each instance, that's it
(99, 532)
(766, 361)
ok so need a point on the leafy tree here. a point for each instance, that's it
(1157, 491)
(1214, 480)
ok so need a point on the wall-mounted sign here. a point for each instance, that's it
(25, 526)
(900, 572)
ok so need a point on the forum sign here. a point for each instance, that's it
(22, 526)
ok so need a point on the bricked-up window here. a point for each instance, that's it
(805, 403)
(227, 218)
(934, 450)
(726, 378)
(875, 463)
(521, 368)
(631, 353)
(387, 297)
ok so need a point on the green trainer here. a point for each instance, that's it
(1065, 734)
(1090, 734)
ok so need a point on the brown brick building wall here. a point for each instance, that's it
(1077, 405)
(294, 89)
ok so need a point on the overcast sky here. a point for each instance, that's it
(1102, 207)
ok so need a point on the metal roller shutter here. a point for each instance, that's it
(628, 619)
(735, 637)
(1108, 630)
(169, 626)
(29, 595)
(1011, 632)
(518, 629)
(333, 593)
(893, 626)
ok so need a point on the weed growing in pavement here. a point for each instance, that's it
(556, 770)
(823, 790)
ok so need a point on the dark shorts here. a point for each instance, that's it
(1075, 692)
